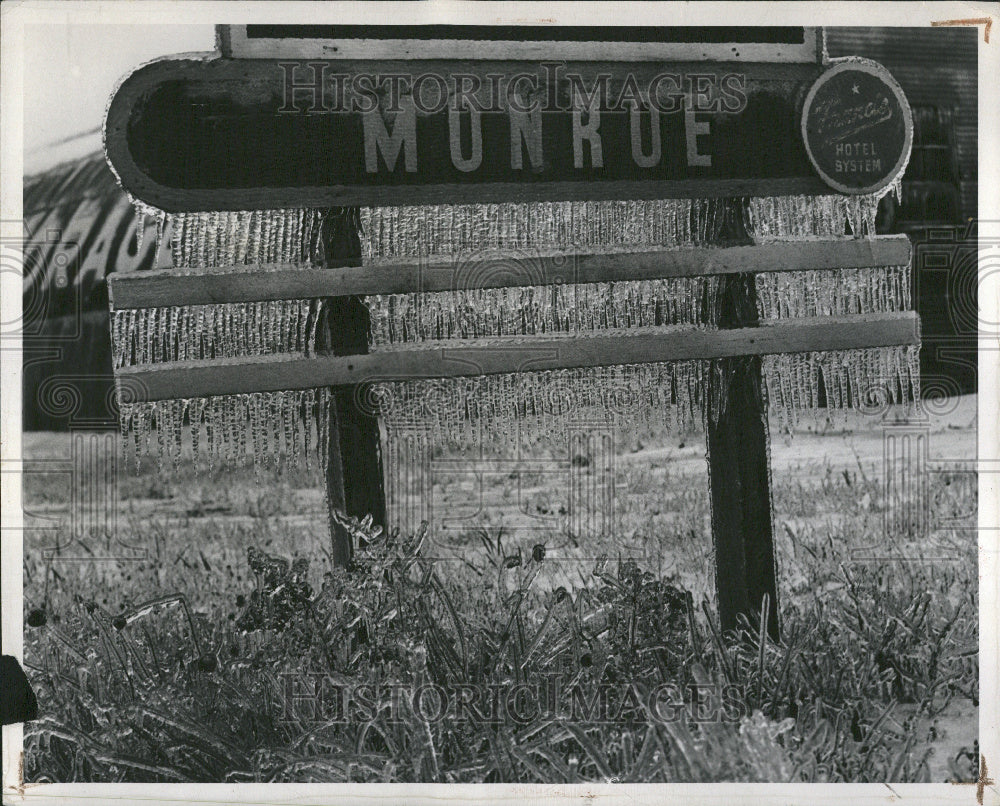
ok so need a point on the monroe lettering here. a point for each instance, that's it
(654, 122)
(391, 138)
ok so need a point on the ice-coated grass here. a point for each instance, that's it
(143, 672)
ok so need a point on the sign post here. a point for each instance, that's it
(354, 472)
(739, 473)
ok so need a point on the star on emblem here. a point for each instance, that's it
(855, 89)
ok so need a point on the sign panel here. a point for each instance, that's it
(857, 127)
(220, 134)
(629, 43)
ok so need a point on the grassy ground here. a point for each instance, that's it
(184, 663)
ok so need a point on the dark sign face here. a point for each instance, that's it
(260, 134)
(857, 127)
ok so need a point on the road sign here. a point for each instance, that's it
(697, 138)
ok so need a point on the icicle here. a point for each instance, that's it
(496, 409)
(142, 211)
(140, 227)
(135, 421)
(161, 223)
(244, 237)
(198, 332)
(797, 294)
(231, 429)
(866, 380)
(392, 232)
(126, 426)
(530, 310)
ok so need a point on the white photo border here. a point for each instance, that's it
(15, 84)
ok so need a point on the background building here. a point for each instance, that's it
(938, 70)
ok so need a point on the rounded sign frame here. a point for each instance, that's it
(876, 70)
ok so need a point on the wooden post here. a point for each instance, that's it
(354, 467)
(738, 473)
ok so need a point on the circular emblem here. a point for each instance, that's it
(857, 127)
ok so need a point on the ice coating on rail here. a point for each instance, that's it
(244, 237)
(277, 427)
(870, 380)
(500, 412)
(530, 310)
(782, 217)
(224, 330)
(837, 292)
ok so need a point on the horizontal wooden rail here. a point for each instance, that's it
(495, 269)
(516, 354)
